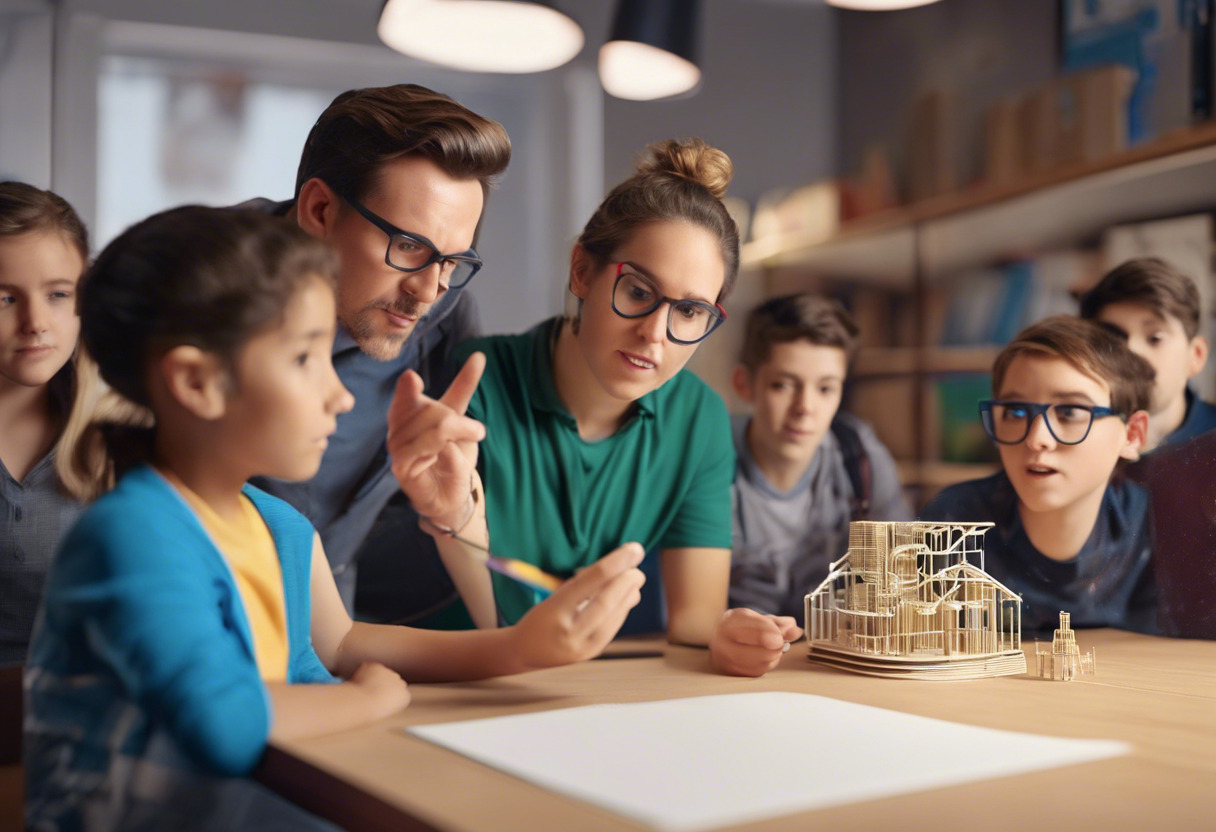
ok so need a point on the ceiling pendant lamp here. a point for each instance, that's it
(878, 5)
(481, 35)
(652, 49)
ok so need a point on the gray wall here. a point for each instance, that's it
(767, 98)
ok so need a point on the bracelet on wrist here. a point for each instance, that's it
(453, 531)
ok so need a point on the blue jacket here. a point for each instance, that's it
(141, 681)
(1200, 418)
(1108, 584)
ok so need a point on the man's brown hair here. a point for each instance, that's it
(1151, 283)
(822, 321)
(364, 129)
(1093, 350)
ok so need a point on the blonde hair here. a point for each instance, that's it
(83, 460)
(75, 388)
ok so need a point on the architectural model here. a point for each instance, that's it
(912, 600)
(1065, 662)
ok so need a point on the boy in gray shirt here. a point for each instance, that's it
(804, 469)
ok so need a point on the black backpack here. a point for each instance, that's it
(857, 466)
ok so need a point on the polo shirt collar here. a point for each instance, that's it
(541, 387)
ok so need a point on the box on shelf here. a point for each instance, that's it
(812, 211)
(872, 189)
(1091, 113)
(1079, 117)
(932, 157)
(1003, 142)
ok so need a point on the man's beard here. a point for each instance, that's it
(377, 343)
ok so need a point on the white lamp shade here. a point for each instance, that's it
(878, 5)
(640, 72)
(481, 35)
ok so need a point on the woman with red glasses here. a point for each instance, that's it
(595, 436)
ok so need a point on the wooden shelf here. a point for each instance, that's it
(984, 223)
(937, 475)
(889, 361)
(919, 249)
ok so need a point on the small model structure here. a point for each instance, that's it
(1065, 662)
(908, 600)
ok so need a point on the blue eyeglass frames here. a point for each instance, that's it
(1009, 422)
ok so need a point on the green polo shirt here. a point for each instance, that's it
(560, 502)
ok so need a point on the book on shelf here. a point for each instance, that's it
(992, 305)
(960, 434)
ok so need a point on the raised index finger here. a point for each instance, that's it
(406, 398)
(463, 386)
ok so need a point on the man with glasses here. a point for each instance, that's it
(1070, 403)
(395, 179)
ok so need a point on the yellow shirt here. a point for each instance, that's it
(251, 555)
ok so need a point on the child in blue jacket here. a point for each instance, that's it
(188, 617)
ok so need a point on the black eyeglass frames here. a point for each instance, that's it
(409, 252)
(688, 321)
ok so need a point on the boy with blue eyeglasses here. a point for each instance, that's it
(1070, 403)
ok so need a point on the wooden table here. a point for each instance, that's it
(1158, 694)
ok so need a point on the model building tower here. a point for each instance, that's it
(1065, 662)
(913, 600)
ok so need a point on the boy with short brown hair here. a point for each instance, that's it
(804, 469)
(1070, 399)
(1156, 308)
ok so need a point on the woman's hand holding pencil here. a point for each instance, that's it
(582, 615)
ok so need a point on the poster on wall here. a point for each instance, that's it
(1167, 43)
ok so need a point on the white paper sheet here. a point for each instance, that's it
(681, 765)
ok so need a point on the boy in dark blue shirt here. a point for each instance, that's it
(1070, 401)
(1157, 308)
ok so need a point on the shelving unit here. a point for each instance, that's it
(888, 361)
(917, 248)
(1173, 175)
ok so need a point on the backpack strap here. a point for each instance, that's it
(856, 465)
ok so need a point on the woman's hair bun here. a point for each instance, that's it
(692, 159)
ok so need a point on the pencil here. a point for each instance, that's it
(524, 573)
(517, 570)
